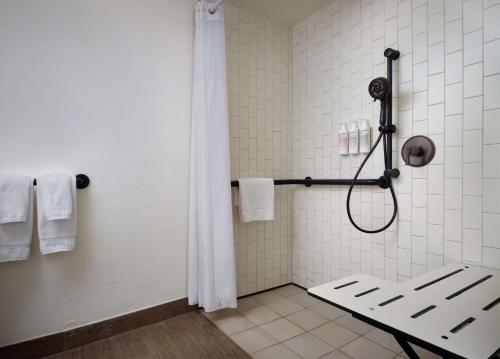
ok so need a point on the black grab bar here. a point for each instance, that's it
(308, 182)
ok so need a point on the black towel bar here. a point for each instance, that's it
(82, 181)
(308, 182)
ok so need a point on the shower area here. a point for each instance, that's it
(291, 87)
(287, 102)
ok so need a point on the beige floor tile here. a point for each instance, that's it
(363, 348)
(281, 329)
(304, 299)
(308, 346)
(233, 323)
(278, 351)
(260, 315)
(285, 307)
(267, 297)
(253, 340)
(307, 319)
(337, 354)
(385, 339)
(289, 290)
(334, 334)
(328, 311)
(247, 303)
(354, 324)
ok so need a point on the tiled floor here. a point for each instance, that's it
(288, 323)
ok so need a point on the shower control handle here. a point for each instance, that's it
(418, 151)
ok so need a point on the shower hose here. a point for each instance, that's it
(383, 135)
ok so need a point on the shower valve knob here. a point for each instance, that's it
(418, 151)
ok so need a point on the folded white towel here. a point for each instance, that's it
(256, 199)
(15, 192)
(56, 201)
(16, 206)
(55, 195)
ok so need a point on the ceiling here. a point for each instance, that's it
(288, 12)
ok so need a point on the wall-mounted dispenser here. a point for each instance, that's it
(418, 151)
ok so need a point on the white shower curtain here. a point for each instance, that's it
(211, 267)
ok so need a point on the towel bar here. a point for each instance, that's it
(82, 181)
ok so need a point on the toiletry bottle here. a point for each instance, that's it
(353, 139)
(343, 140)
(364, 137)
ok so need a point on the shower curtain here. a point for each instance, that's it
(211, 265)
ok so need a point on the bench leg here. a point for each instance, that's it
(406, 347)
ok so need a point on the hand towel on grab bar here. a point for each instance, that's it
(56, 198)
(256, 199)
(16, 217)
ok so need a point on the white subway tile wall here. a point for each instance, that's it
(258, 54)
(291, 89)
(445, 87)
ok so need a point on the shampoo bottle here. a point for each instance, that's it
(364, 137)
(353, 139)
(343, 140)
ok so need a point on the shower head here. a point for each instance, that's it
(379, 88)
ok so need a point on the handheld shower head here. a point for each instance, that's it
(379, 88)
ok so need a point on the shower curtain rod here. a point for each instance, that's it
(308, 182)
(213, 9)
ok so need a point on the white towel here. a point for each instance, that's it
(15, 192)
(256, 199)
(56, 200)
(16, 208)
(55, 195)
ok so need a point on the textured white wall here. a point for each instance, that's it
(259, 89)
(102, 88)
(447, 86)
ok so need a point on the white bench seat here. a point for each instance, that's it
(453, 311)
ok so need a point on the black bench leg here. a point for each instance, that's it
(406, 347)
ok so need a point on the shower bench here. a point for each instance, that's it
(452, 311)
